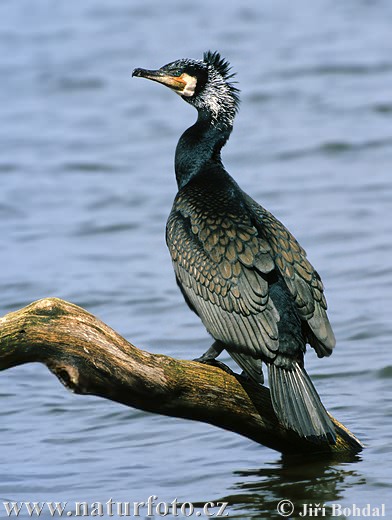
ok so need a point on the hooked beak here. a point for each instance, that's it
(178, 84)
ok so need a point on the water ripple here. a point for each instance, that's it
(335, 148)
(87, 182)
(337, 69)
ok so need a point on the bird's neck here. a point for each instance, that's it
(199, 147)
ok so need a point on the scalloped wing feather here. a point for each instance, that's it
(301, 278)
(218, 260)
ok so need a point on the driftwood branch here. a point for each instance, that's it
(89, 357)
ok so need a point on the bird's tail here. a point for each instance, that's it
(298, 405)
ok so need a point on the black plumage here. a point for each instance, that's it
(238, 267)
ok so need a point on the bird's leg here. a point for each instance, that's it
(209, 357)
(212, 353)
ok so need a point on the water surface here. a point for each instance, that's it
(86, 173)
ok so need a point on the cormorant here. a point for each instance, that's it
(238, 267)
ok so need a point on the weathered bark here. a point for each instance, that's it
(89, 357)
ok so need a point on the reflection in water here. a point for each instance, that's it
(301, 482)
(86, 174)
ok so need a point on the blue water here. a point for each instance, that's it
(86, 173)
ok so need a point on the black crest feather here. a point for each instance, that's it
(220, 64)
(223, 67)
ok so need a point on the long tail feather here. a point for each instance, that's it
(297, 404)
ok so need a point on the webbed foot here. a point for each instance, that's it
(212, 353)
(209, 357)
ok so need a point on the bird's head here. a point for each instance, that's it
(205, 84)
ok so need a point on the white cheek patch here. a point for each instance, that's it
(190, 85)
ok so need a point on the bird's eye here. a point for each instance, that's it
(172, 71)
